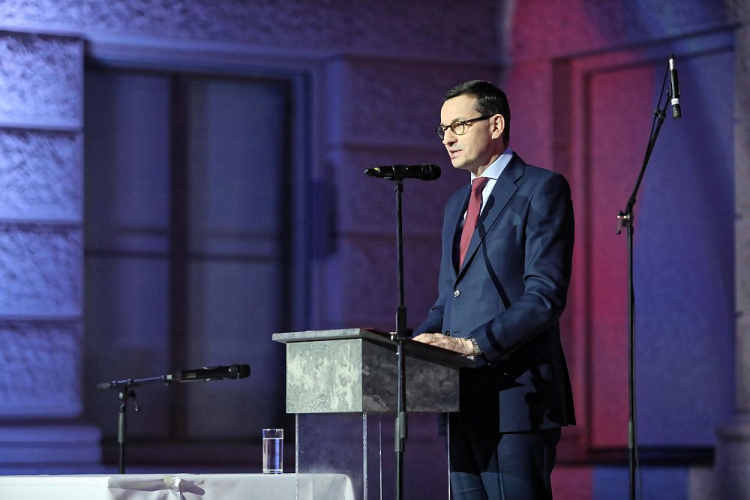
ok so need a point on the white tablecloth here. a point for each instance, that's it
(177, 487)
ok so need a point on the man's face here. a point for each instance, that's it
(474, 149)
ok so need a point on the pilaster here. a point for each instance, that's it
(41, 251)
(733, 448)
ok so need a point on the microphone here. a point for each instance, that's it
(675, 86)
(211, 373)
(425, 172)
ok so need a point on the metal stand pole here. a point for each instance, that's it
(124, 393)
(625, 219)
(402, 334)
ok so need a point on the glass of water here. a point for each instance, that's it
(273, 451)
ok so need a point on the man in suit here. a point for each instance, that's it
(507, 245)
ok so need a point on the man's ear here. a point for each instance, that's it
(497, 124)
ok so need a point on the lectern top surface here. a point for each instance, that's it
(342, 333)
(435, 354)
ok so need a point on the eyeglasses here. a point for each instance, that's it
(460, 127)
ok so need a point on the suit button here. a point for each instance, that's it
(456, 293)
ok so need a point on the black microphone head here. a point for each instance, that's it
(674, 88)
(424, 172)
(430, 172)
(239, 371)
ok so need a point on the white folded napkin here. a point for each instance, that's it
(184, 483)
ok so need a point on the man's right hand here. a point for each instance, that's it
(455, 344)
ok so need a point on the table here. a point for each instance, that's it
(177, 487)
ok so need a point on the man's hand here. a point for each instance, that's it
(455, 344)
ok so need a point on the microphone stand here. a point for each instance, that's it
(398, 173)
(402, 334)
(625, 219)
(125, 391)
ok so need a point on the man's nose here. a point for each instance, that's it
(449, 137)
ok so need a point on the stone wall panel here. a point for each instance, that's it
(317, 23)
(418, 28)
(529, 89)
(403, 101)
(742, 276)
(742, 123)
(397, 28)
(546, 30)
(40, 270)
(40, 174)
(368, 274)
(56, 12)
(48, 357)
(40, 78)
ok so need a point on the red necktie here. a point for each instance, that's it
(472, 216)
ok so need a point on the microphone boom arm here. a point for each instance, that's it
(207, 374)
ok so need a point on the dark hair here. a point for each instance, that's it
(490, 100)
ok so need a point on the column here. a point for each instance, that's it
(41, 253)
(733, 449)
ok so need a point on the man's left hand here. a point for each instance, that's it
(455, 344)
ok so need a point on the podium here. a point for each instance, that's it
(354, 370)
(346, 376)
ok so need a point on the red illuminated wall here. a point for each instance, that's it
(583, 84)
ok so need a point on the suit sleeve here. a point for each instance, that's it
(548, 246)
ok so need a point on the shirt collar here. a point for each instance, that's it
(496, 167)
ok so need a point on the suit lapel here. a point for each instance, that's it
(457, 227)
(503, 191)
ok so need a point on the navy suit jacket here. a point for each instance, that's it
(509, 295)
